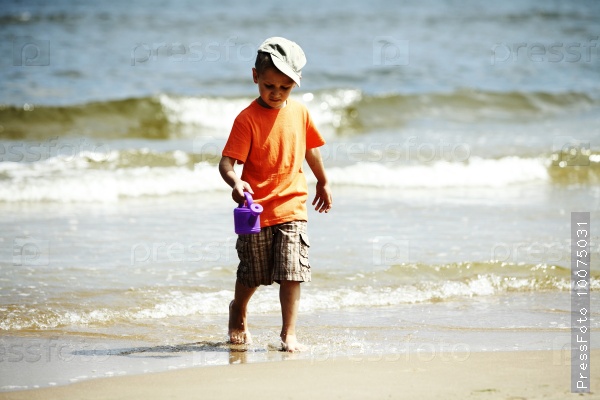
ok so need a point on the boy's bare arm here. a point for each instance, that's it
(323, 199)
(230, 177)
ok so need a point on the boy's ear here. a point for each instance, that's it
(255, 75)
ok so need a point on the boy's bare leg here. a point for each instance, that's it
(238, 326)
(289, 296)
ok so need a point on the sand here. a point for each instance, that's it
(484, 375)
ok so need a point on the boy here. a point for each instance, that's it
(272, 137)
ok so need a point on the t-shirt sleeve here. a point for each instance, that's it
(313, 136)
(239, 141)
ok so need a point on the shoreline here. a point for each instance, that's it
(491, 375)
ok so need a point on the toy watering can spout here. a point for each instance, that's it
(246, 217)
(255, 208)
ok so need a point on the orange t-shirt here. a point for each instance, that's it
(272, 143)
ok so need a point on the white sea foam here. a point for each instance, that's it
(217, 114)
(477, 172)
(89, 178)
(213, 113)
(176, 303)
(76, 181)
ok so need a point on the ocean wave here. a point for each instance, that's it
(335, 111)
(397, 285)
(85, 178)
(109, 176)
(158, 117)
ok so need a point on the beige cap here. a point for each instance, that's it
(287, 56)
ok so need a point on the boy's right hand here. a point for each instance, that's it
(238, 191)
(228, 173)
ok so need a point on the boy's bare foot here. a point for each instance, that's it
(238, 333)
(290, 344)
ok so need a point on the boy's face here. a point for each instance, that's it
(274, 87)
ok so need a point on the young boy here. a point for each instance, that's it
(272, 137)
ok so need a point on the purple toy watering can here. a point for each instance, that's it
(247, 218)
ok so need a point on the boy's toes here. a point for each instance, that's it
(291, 345)
(240, 338)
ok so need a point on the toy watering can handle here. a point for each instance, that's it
(248, 200)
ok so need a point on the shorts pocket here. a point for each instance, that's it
(304, 245)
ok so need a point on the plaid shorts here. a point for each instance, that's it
(278, 253)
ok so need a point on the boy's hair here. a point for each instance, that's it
(263, 62)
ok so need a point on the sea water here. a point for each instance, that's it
(460, 137)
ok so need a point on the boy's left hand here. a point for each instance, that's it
(323, 199)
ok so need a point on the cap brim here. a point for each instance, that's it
(286, 69)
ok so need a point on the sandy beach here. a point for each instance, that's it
(482, 375)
